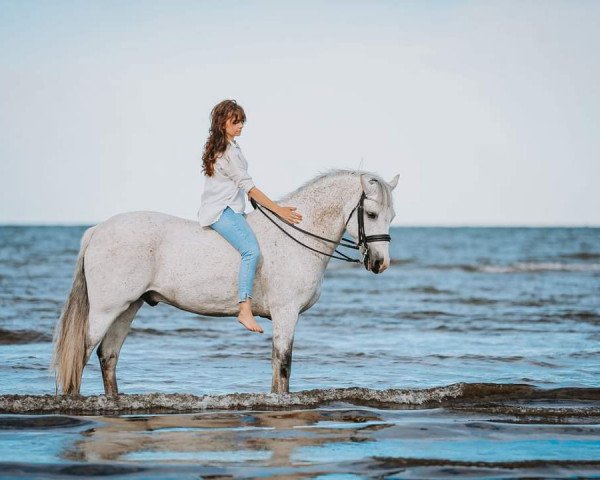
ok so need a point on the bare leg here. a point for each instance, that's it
(246, 318)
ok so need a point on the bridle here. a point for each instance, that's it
(363, 239)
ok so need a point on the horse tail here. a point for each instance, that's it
(70, 335)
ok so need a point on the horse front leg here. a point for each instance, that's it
(284, 326)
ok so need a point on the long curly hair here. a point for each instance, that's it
(217, 138)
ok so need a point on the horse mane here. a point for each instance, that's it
(384, 188)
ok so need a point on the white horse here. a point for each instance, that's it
(152, 257)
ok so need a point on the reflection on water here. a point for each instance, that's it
(331, 441)
(269, 437)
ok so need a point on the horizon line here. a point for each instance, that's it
(408, 225)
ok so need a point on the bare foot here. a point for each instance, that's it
(246, 318)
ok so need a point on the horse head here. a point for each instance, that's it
(377, 214)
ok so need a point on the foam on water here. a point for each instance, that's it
(460, 394)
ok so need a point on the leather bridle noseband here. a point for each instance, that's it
(363, 239)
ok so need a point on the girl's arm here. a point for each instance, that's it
(234, 170)
(287, 213)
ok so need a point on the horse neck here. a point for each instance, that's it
(325, 207)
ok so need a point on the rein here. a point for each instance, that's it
(363, 239)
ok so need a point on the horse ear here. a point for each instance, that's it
(394, 181)
(369, 184)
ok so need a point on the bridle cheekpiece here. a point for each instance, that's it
(363, 239)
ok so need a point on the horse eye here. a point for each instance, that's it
(371, 215)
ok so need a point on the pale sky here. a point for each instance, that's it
(488, 110)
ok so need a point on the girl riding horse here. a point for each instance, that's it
(223, 201)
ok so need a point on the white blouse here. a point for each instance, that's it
(227, 187)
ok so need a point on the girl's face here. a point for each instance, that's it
(233, 128)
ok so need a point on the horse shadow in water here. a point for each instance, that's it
(152, 257)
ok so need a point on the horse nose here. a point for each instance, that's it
(377, 265)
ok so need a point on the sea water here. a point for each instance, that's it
(476, 306)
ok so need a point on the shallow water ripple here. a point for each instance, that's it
(484, 308)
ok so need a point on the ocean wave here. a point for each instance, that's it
(426, 314)
(582, 256)
(401, 261)
(183, 332)
(430, 290)
(541, 267)
(14, 337)
(584, 316)
(471, 395)
(522, 267)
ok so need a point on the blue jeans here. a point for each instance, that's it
(235, 229)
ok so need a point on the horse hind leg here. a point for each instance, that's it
(110, 347)
(99, 322)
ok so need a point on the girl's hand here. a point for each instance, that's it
(288, 214)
